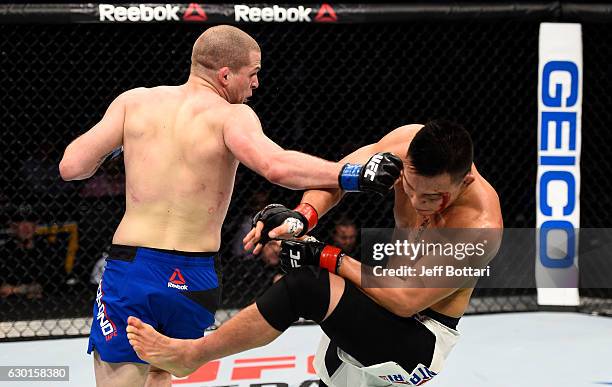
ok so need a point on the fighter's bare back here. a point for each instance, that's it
(179, 172)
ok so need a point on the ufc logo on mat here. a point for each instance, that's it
(295, 258)
(372, 167)
(257, 370)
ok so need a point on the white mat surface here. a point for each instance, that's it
(500, 350)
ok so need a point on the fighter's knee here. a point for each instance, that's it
(309, 289)
(158, 377)
(307, 280)
(303, 292)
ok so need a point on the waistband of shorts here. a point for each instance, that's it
(176, 257)
(443, 319)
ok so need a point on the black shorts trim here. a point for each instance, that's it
(443, 319)
(128, 253)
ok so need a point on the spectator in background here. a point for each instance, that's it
(33, 264)
(22, 261)
(344, 235)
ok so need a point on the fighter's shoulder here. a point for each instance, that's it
(476, 225)
(241, 114)
(398, 140)
(401, 136)
(158, 91)
(241, 109)
(465, 216)
(136, 94)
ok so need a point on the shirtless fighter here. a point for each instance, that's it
(182, 145)
(374, 336)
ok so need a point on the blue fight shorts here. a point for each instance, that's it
(176, 292)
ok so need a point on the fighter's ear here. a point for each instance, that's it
(468, 179)
(223, 75)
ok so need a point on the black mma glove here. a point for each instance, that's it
(300, 220)
(377, 175)
(310, 252)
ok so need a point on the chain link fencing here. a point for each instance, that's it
(324, 89)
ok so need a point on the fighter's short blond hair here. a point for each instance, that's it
(222, 46)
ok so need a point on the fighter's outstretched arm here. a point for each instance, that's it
(395, 142)
(244, 137)
(85, 154)
(322, 200)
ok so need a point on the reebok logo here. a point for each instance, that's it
(326, 14)
(271, 14)
(195, 12)
(144, 13)
(177, 281)
(372, 167)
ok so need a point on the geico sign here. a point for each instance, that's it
(558, 157)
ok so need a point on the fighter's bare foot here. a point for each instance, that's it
(172, 355)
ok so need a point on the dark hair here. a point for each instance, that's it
(442, 147)
(344, 221)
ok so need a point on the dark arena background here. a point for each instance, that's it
(328, 85)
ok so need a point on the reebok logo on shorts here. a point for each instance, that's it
(177, 281)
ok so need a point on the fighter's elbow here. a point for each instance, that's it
(404, 311)
(275, 171)
(67, 171)
(276, 174)
(70, 169)
(403, 307)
